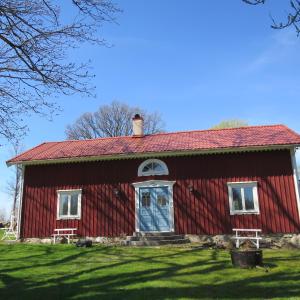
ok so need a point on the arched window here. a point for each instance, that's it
(153, 167)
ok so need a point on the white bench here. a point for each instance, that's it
(67, 233)
(254, 238)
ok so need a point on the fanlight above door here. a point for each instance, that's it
(153, 167)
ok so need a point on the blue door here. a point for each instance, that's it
(154, 209)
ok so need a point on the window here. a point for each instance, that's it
(69, 204)
(243, 198)
(153, 167)
(162, 200)
(146, 200)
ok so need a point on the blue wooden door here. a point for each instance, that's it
(146, 209)
(154, 209)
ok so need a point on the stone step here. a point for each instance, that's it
(156, 237)
(157, 243)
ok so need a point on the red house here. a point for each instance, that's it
(195, 182)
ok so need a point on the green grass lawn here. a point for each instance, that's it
(66, 272)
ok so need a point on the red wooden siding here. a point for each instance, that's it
(204, 211)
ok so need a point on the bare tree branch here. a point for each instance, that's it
(112, 120)
(254, 2)
(34, 65)
(293, 17)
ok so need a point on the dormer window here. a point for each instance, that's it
(153, 167)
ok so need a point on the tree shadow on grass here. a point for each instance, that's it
(113, 287)
(152, 277)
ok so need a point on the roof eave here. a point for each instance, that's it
(152, 154)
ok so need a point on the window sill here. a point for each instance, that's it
(152, 174)
(68, 218)
(232, 213)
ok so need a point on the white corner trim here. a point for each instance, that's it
(296, 178)
(19, 220)
(165, 170)
(153, 183)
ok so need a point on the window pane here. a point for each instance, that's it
(63, 205)
(147, 168)
(161, 200)
(237, 203)
(74, 205)
(249, 202)
(157, 167)
(146, 199)
(153, 167)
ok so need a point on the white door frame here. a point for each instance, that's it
(153, 183)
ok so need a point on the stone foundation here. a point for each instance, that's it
(97, 240)
(36, 241)
(225, 241)
(212, 241)
(107, 240)
(281, 241)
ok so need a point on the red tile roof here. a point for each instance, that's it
(231, 138)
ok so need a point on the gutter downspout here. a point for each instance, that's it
(20, 204)
(296, 177)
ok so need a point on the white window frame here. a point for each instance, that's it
(242, 185)
(165, 170)
(69, 192)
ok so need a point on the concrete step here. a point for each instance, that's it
(156, 243)
(156, 237)
(153, 233)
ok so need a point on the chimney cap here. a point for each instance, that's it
(137, 126)
(137, 117)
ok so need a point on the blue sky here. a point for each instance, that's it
(195, 62)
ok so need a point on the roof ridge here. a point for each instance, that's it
(218, 129)
(169, 133)
(98, 138)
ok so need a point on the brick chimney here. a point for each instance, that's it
(138, 126)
